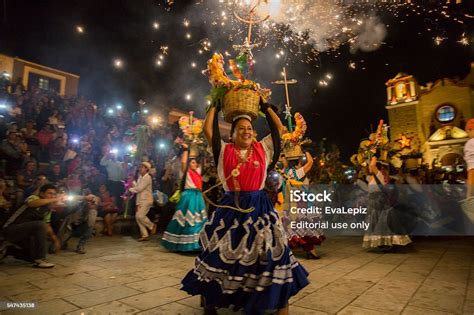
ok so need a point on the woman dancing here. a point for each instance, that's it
(246, 261)
(182, 233)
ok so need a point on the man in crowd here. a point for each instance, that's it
(80, 222)
(27, 229)
(13, 152)
(115, 174)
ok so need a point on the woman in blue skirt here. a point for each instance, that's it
(182, 233)
(246, 262)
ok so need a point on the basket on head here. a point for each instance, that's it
(293, 152)
(193, 150)
(241, 102)
(412, 163)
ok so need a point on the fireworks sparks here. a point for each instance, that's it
(306, 28)
(205, 44)
(299, 31)
(464, 40)
(439, 40)
(164, 50)
(118, 63)
(325, 81)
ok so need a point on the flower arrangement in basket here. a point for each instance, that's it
(293, 139)
(190, 126)
(192, 129)
(235, 97)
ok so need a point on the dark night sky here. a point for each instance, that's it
(44, 32)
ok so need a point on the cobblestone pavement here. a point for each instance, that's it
(119, 275)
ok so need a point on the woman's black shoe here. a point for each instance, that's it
(207, 310)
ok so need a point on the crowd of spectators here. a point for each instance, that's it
(80, 148)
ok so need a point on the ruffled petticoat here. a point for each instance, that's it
(246, 262)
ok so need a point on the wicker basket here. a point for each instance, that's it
(383, 155)
(293, 152)
(193, 150)
(467, 206)
(412, 163)
(241, 102)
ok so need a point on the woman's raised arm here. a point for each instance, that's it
(208, 124)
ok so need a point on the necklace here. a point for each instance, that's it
(243, 159)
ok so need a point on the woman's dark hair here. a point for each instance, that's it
(216, 138)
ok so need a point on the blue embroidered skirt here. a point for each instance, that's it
(182, 233)
(246, 262)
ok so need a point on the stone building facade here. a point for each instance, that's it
(434, 115)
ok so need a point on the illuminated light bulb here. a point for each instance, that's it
(188, 36)
(159, 63)
(193, 64)
(110, 111)
(155, 120)
(188, 97)
(277, 56)
(145, 111)
(186, 22)
(156, 25)
(79, 29)
(329, 76)
(119, 106)
(161, 57)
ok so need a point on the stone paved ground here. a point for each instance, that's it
(121, 276)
